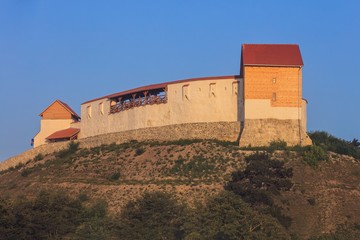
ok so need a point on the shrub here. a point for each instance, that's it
(226, 216)
(83, 197)
(312, 201)
(38, 157)
(115, 176)
(155, 215)
(18, 166)
(277, 145)
(26, 172)
(262, 178)
(71, 149)
(139, 151)
(331, 143)
(312, 155)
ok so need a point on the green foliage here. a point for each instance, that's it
(71, 149)
(277, 145)
(115, 176)
(334, 144)
(314, 154)
(18, 166)
(48, 216)
(227, 216)
(38, 157)
(196, 167)
(155, 215)
(53, 216)
(26, 172)
(95, 223)
(139, 151)
(312, 201)
(262, 178)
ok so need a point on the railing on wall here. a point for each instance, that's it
(137, 100)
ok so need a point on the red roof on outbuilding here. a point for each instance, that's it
(66, 133)
(271, 55)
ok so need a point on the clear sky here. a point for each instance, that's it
(79, 50)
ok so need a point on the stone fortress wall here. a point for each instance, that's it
(203, 100)
(227, 131)
(261, 105)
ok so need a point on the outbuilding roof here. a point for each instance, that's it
(271, 55)
(66, 133)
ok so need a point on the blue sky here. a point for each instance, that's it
(79, 50)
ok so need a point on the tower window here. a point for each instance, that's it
(273, 98)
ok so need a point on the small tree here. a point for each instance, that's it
(260, 181)
(227, 216)
(155, 215)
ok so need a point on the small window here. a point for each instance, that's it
(185, 92)
(212, 90)
(88, 109)
(101, 108)
(235, 86)
(274, 80)
(273, 97)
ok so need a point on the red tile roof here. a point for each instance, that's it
(157, 86)
(271, 55)
(66, 133)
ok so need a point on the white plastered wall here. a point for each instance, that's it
(262, 109)
(188, 102)
(49, 126)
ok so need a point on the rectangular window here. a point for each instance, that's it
(212, 90)
(273, 97)
(88, 110)
(235, 86)
(185, 92)
(101, 108)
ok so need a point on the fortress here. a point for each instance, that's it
(262, 104)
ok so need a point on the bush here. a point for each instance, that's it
(312, 155)
(71, 149)
(312, 201)
(139, 151)
(155, 215)
(38, 157)
(26, 172)
(277, 145)
(331, 143)
(226, 216)
(115, 176)
(262, 178)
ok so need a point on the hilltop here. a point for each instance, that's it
(323, 195)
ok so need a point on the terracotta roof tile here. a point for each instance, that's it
(66, 133)
(271, 55)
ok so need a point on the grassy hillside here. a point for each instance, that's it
(324, 192)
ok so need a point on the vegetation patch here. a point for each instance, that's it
(314, 154)
(330, 143)
(262, 178)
